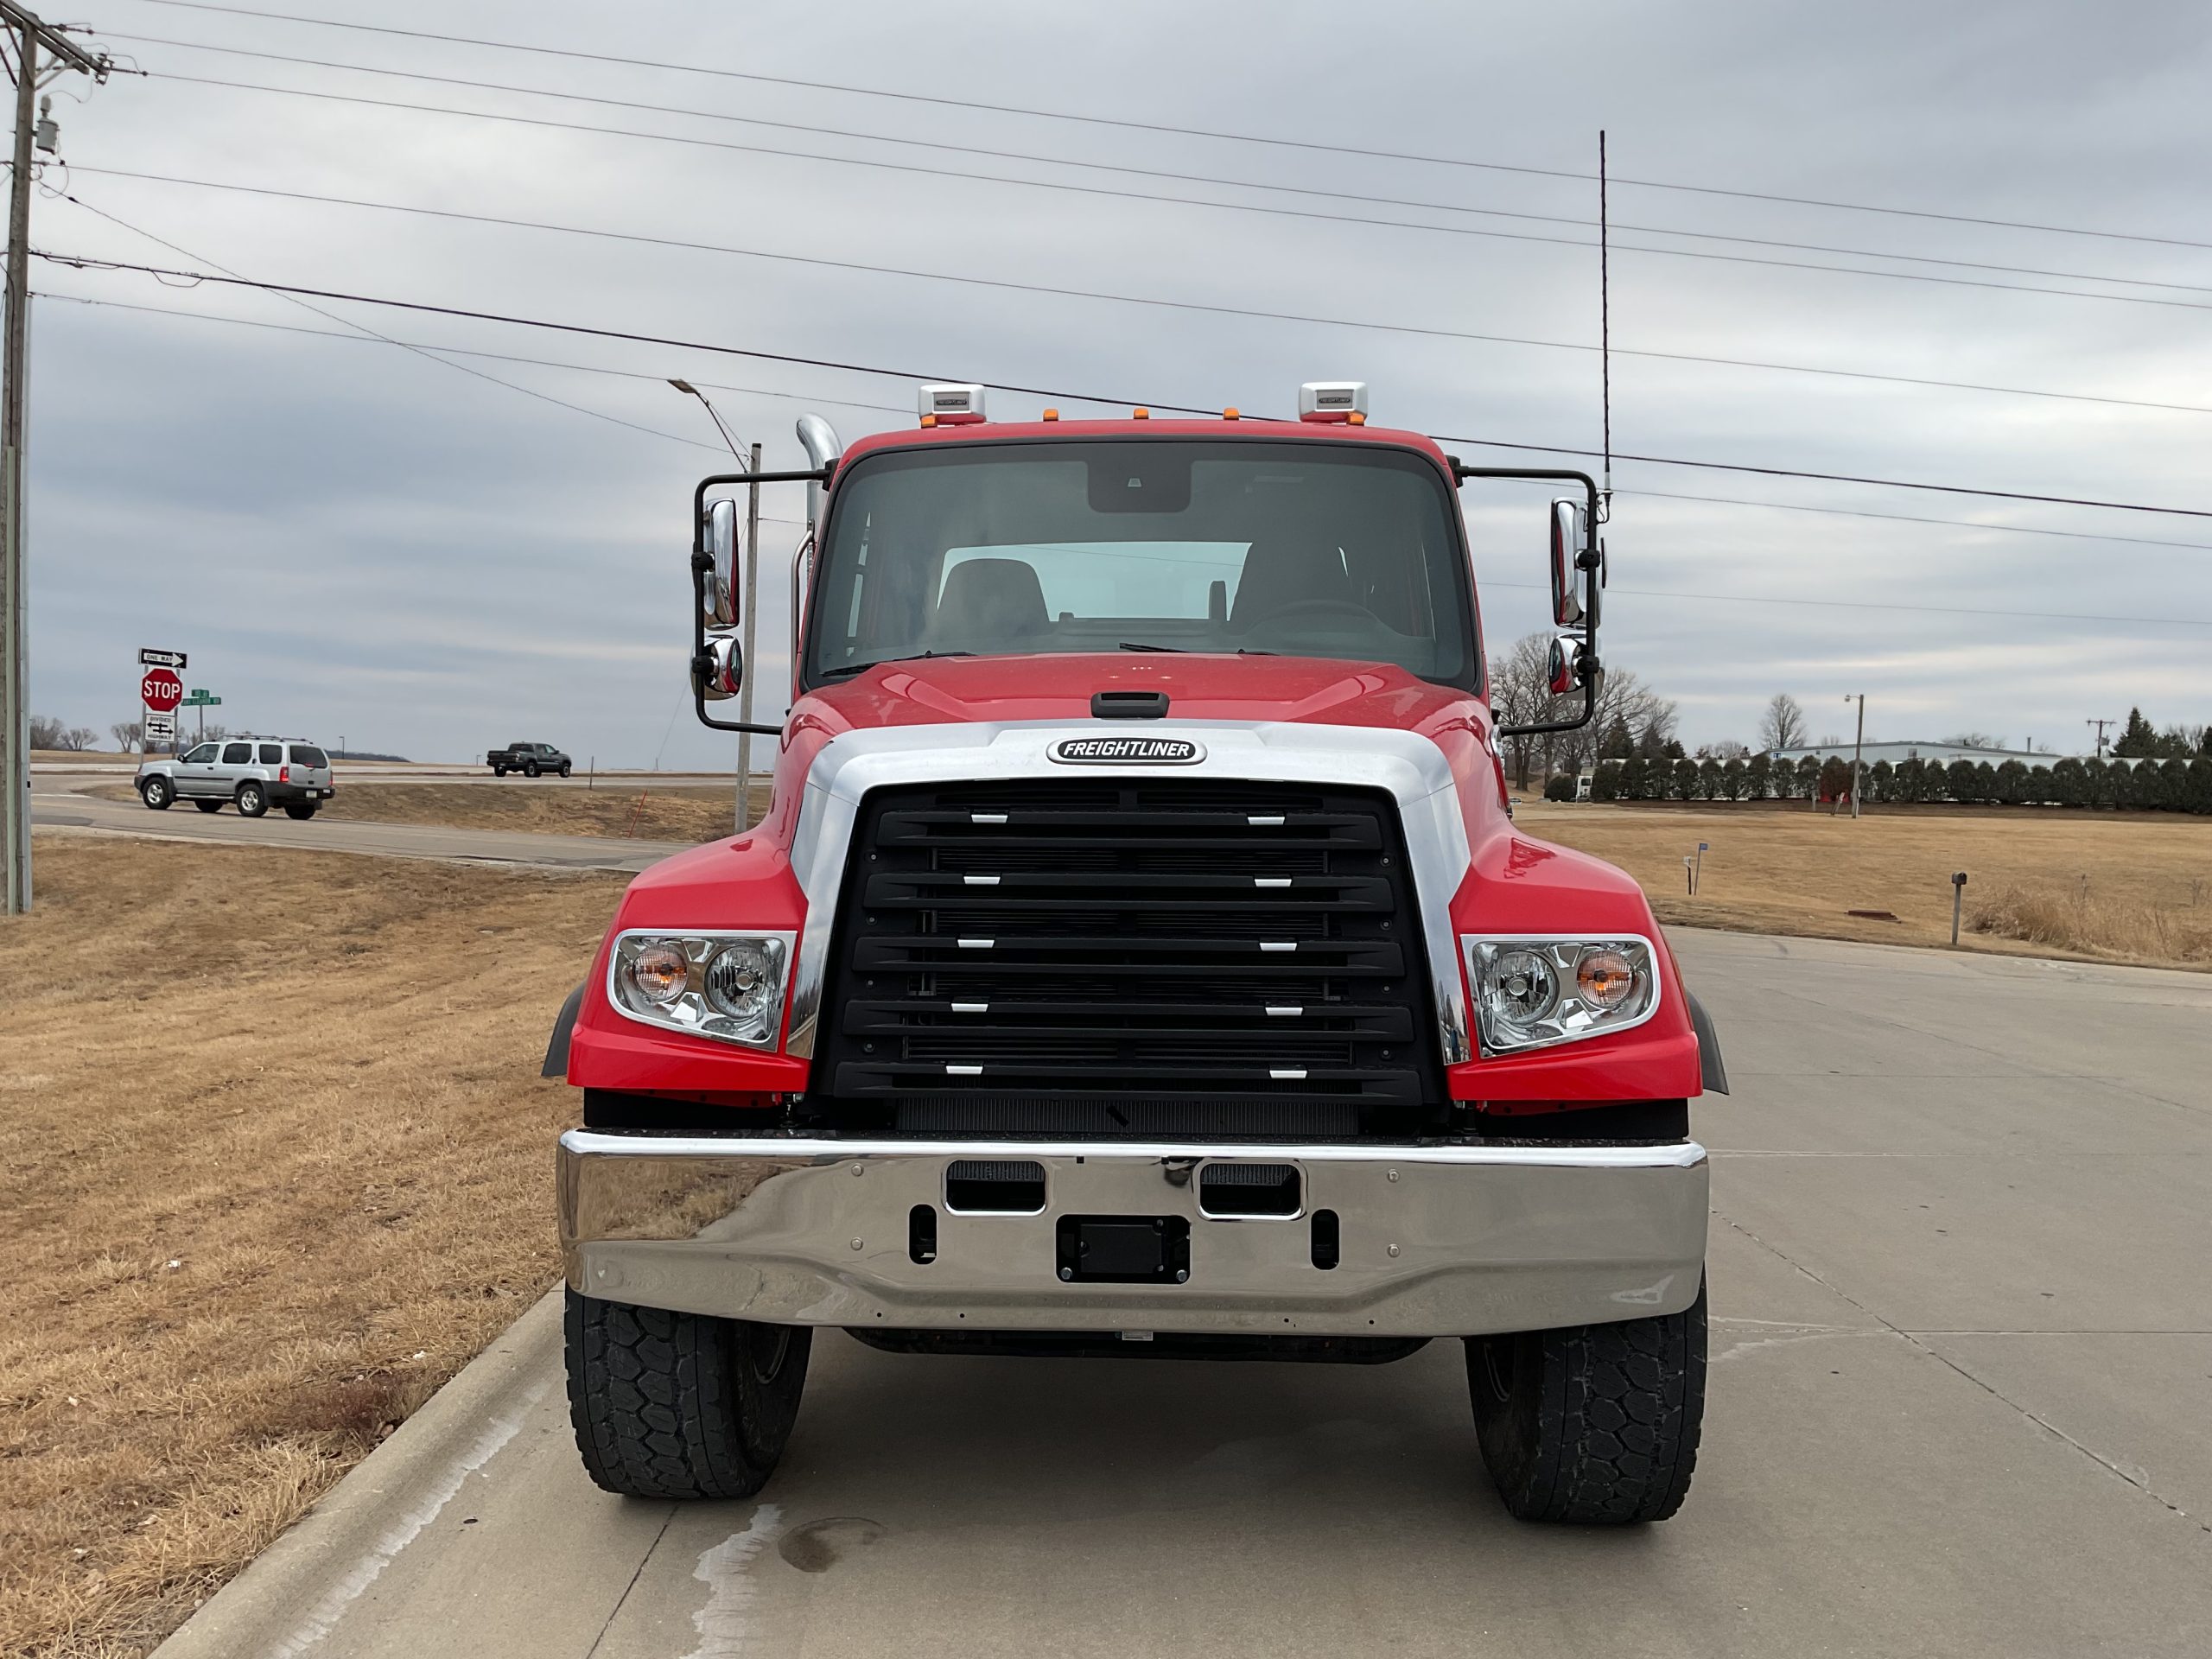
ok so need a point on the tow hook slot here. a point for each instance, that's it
(984, 1186)
(1124, 1250)
(1128, 705)
(1244, 1190)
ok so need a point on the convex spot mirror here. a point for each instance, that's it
(719, 668)
(1569, 666)
(718, 595)
(1570, 534)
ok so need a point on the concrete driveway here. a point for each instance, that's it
(1960, 1404)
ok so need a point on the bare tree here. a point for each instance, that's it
(1521, 695)
(78, 739)
(1783, 726)
(46, 732)
(127, 733)
(1972, 740)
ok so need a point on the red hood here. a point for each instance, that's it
(1199, 687)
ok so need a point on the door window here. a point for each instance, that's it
(238, 754)
(272, 754)
(203, 755)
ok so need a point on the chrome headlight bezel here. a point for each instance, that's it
(1570, 1018)
(692, 1011)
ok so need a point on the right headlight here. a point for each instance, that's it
(1534, 991)
(726, 986)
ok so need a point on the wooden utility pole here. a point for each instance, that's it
(30, 35)
(2101, 725)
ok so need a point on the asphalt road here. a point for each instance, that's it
(1960, 1404)
(56, 803)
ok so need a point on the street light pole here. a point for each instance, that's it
(30, 35)
(1857, 748)
(751, 593)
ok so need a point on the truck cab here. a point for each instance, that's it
(1139, 955)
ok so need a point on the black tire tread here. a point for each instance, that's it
(658, 1408)
(1618, 1411)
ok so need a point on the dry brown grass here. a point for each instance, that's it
(2148, 876)
(278, 1164)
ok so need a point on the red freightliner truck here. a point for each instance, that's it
(1138, 958)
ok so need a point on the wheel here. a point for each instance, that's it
(157, 792)
(209, 806)
(253, 799)
(302, 810)
(530, 768)
(564, 768)
(498, 772)
(1595, 1425)
(680, 1405)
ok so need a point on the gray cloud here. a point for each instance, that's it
(350, 539)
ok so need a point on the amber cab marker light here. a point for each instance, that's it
(928, 420)
(1051, 414)
(1230, 413)
(1356, 418)
(1139, 413)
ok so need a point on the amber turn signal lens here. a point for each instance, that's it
(1604, 979)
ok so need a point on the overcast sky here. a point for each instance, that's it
(353, 540)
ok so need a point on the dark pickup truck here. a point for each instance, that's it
(529, 758)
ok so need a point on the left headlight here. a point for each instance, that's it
(726, 986)
(1533, 992)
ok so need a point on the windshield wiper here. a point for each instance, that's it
(846, 671)
(1180, 651)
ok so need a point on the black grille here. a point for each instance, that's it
(1161, 945)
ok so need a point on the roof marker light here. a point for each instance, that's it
(1051, 414)
(1333, 401)
(1139, 413)
(951, 406)
(1230, 413)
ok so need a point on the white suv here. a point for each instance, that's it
(251, 772)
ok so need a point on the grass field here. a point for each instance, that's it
(627, 808)
(2135, 887)
(277, 1163)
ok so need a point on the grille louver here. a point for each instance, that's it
(1176, 944)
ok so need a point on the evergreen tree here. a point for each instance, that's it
(1619, 743)
(1881, 782)
(1733, 782)
(2138, 738)
(1759, 778)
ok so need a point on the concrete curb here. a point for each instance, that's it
(291, 1592)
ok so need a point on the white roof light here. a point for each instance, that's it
(1333, 400)
(951, 406)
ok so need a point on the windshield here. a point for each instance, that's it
(1300, 548)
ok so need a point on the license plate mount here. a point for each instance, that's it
(1123, 1250)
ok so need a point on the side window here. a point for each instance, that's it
(272, 754)
(238, 754)
(203, 755)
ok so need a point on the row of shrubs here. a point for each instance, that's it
(2172, 785)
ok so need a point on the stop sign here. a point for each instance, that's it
(161, 689)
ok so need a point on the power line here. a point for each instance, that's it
(1128, 125)
(901, 409)
(419, 350)
(86, 263)
(1055, 291)
(1063, 186)
(1908, 518)
(1365, 198)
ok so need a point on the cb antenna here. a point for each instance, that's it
(1605, 334)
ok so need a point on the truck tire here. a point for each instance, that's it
(157, 792)
(302, 810)
(564, 768)
(498, 772)
(252, 798)
(530, 768)
(680, 1405)
(1595, 1425)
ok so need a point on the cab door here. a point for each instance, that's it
(195, 771)
(234, 764)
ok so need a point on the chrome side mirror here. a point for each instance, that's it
(718, 671)
(1570, 535)
(718, 601)
(1569, 666)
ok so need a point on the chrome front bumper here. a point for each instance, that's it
(1432, 1241)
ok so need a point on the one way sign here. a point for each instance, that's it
(148, 658)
